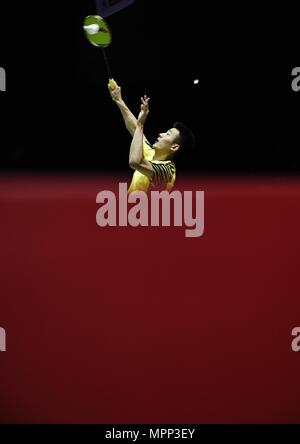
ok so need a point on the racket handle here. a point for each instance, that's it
(112, 83)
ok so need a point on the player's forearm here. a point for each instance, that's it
(136, 154)
(129, 119)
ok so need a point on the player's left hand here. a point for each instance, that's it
(144, 110)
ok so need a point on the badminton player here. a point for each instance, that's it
(153, 164)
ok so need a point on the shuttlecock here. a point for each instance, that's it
(92, 29)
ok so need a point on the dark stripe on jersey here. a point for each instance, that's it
(163, 173)
(171, 170)
(157, 175)
(168, 170)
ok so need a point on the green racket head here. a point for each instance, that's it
(97, 31)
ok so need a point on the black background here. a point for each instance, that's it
(57, 113)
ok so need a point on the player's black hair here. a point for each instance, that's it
(186, 138)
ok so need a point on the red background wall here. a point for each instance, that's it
(144, 325)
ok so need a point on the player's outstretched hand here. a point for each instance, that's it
(144, 110)
(115, 91)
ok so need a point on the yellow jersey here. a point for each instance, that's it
(163, 177)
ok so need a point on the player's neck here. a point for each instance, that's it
(160, 156)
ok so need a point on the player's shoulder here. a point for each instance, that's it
(168, 163)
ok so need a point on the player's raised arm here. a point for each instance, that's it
(129, 119)
(137, 160)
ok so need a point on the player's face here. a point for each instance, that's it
(166, 141)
